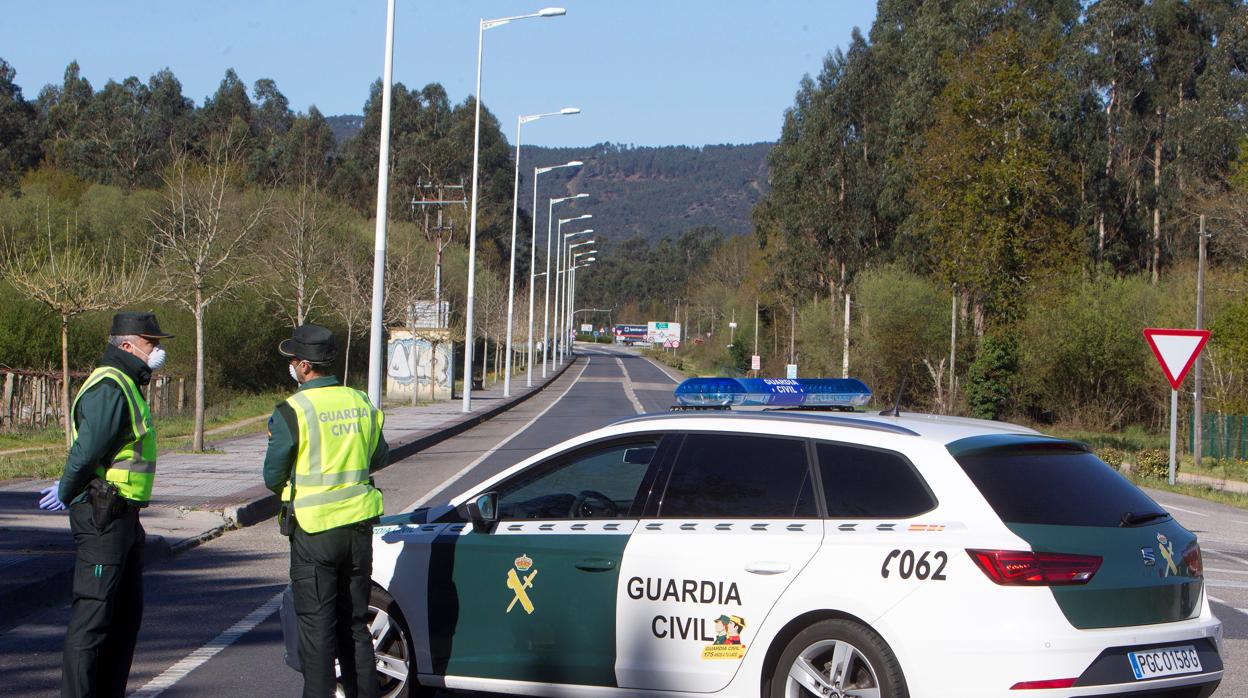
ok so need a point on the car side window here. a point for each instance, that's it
(868, 483)
(739, 476)
(598, 482)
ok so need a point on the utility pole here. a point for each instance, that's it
(953, 344)
(1199, 403)
(845, 349)
(756, 328)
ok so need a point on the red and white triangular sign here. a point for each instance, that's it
(1176, 350)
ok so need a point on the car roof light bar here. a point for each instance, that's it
(846, 393)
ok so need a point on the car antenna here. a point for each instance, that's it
(896, 411)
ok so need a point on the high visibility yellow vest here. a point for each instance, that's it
(133, 470)
(338, 431)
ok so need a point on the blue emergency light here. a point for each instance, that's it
(844, 393)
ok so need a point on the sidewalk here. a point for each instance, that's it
(199, 495)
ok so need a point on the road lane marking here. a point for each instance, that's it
(665, 370)
(1228, 556)
(468, 468)
(1186, 511)
(1215, 569)
(628, 387)
(1220, 584)
(196, 659)
(1217, 600)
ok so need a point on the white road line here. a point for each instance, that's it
(1228, 556)
(195, 659)
(1216, 569)
(1185, 511)
(452, 479)
(628, 388)
(664, 369)
(1217, 600)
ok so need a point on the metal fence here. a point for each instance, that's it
(1222, 436)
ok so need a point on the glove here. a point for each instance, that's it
(50, 501)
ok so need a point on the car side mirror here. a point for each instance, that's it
(483, 512)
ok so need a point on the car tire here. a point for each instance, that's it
(840, 655)
(392, 646)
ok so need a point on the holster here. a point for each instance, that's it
(286, 519)
(107, 504)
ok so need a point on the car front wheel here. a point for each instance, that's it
(837, 659)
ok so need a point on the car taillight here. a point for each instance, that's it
(1191, 558)
(1049, 683)
(1025, 568)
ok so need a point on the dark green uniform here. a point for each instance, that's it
(108, 568)
(330, 573)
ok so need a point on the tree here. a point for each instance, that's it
(351, 301)
(71, 281)
(409, 283)
(19, 135)
(200, 229)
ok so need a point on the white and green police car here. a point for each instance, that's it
(794, 553)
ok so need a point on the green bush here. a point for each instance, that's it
(1112, 456)
(992, 377)
(1152, 462)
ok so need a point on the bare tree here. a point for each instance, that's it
(71, 281)
(199, 229)
(298, 257)
(351, 301)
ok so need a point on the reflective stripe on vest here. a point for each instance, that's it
(338, 432)
(133, 470)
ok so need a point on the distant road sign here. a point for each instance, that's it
(756, 363)
(1176, 350)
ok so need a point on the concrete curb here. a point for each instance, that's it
(265, 504)
(56, 587)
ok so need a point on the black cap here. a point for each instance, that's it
(311, 343)
(142, 324)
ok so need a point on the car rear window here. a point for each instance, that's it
(1053, 484)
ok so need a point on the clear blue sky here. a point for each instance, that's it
(647, 72)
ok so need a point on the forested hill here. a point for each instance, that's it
(659, 191)
(647, 191)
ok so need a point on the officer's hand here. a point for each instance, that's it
(50, 500)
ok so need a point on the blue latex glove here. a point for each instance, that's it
(50, 500)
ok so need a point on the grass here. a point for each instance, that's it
(1131, 439)
(237, 415)
(1234, 499)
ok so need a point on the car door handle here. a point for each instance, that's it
(595, 564)
(767, 567)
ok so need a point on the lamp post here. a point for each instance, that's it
(472, 219)
(559, 239)
(515, 212)
(379, 237)
(561, 290)
(566, 318)
(550, 217)
(572, 286)
(537, 171)
(562, 322)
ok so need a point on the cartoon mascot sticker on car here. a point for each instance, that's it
(728, 643)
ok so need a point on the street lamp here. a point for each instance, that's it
(515, 212)
(472, 220)
(561, 287)
(572, 286)
(559, 239)
(379, 237)
(564, 319)
(550, 218)
(528, 377)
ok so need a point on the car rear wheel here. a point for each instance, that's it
(392, 649)
(837, 659)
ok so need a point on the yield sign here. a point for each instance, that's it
(1176, 350)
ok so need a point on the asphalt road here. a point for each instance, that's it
(209, 629)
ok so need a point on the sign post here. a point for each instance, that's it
(1176, 350)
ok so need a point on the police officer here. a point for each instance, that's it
(108, 477)
(323, 443)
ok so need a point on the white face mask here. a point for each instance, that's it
(293, 375)
(156, 359)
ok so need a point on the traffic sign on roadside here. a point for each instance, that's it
(756, 363)
(1176, 350)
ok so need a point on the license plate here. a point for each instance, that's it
(1168, 661)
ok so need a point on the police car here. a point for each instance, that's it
(790, 552)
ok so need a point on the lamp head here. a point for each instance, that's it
(567, 111)
(551, 12)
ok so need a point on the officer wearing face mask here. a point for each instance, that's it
(323, 443)
(108, 477)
